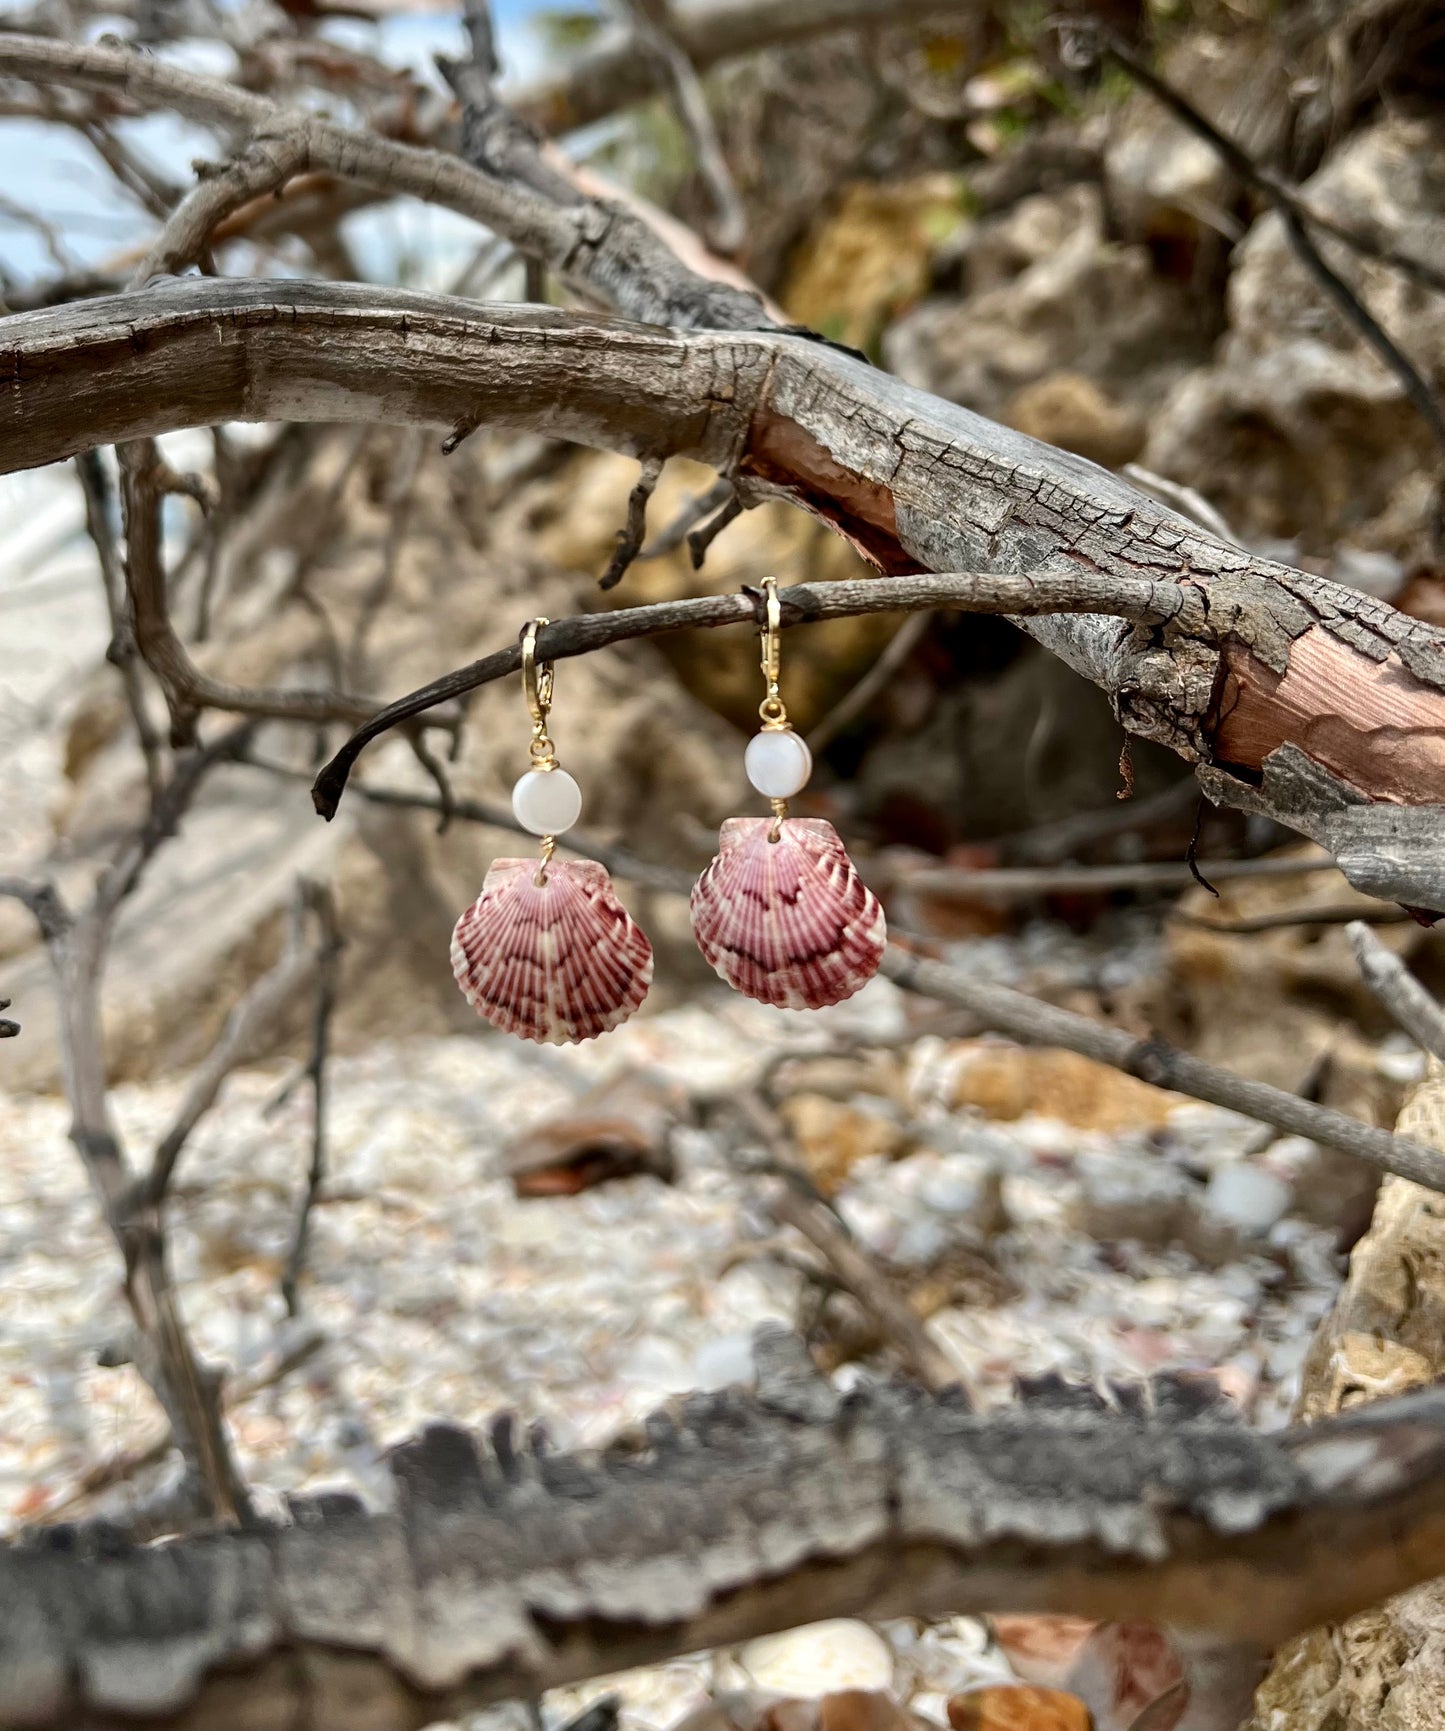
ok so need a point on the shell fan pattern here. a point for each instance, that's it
(556, 962)
(788, 922)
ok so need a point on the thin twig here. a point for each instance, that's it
(631, 537)
(401, 495)
(1302, 918)
(118, 1468)
(700, 541)
(252, 1017)
(701, 506)
(652, 23)
(1143, 600)
(328, 963)
(1398, 990)
(1295, 213)
(187, 690)
(853, 1268)
(1038, 1024)
(1059, 840)
(1277, 191)
(857, 701)
(122, 651)
(1014, 883)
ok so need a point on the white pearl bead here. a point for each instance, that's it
(547, 801)
(778, 763)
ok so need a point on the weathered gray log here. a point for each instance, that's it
(503, 1572)
(1304, 699)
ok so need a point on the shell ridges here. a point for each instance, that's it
(788, 922)
(558, 962)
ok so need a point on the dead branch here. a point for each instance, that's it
(1398, 990)
(122, 651)
(251, 1019)
(187, 690)
(1019, 596)
(912, 481)
(612, 74)
(1298, 216)
(1277, 191)
(1018, 883)
(599, 246)
(634, 533)
(655, 30)
(1295, 918)
(793, 1205)
(1034, 1023)
(132, 1206)
(504, 1573)
(328, 965)
(857, 701)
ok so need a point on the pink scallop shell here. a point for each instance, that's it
(788, 922)
(557, 962)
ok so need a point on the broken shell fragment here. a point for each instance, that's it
(558, 961)
(788, 922)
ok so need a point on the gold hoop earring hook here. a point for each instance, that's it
(771, 710)
(537, 679)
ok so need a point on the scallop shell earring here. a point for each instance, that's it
(781, 913)
(547, 951)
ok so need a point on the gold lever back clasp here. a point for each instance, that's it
(537, 689)
(771, 710)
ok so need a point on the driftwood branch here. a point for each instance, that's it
(1398, 990)
(1035, 1023)
(502, 1573)
(1239, 681)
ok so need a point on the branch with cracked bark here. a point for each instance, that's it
(1291, 695)
(502, 1572)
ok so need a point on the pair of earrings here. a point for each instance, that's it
(548, 952)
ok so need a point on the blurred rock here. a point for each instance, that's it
(1070, 410)
(1005, 1082)
(870, 256)
(1017, 1707)
(1042, 289)
(1042, 1649)
(819, 1659)
(1119, 1199)
(1247, 1197)
(1296, 429)
(832, 1136)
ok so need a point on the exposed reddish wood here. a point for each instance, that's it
(1371, 723)
(784, 455)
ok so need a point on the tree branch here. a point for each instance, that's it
(1237, 682)
(1038, 1024)
(1021, 596)
(1398, 990)
(612, 74)
(502, 1574)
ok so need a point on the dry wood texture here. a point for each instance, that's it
(502, 1573)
